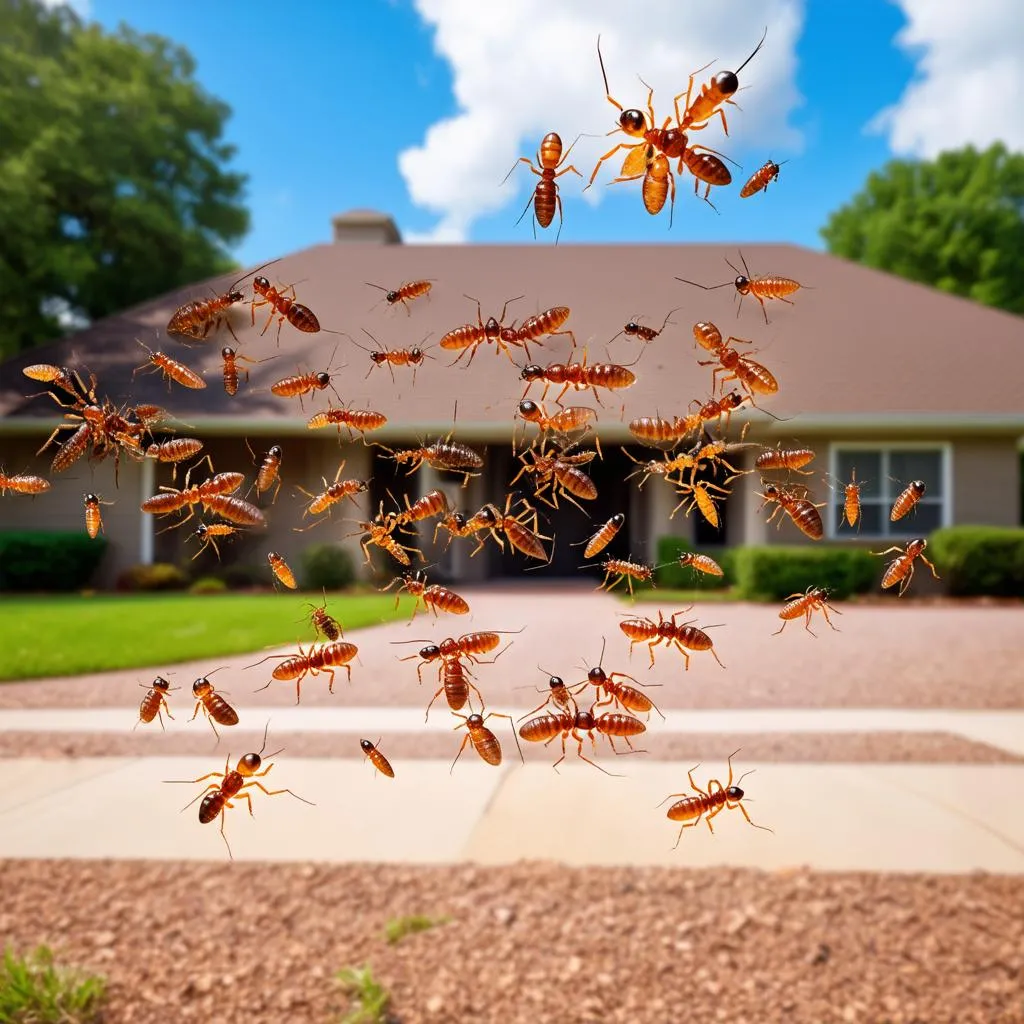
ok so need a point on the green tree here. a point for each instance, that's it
(113, 185)
(956, 222)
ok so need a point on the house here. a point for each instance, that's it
(880, 376)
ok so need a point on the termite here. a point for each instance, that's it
(325, 658)
(535, 327)
(813, 599)
(441, 454)
(623, 569)
(901, 569)
(708, 802)
(761, 179)
(579, 376)
(851, 500)
(404, 293)
(793, 459)
(207, 534)
(303, 384)
(281, 570)
(230, 370)
(377, 759)
(359, 420)
(700, 563)
(545, 198)
(558, 694)
(171, 369)
(391, 357)
(907, 499)
(93, 516)
(604, 536)
(23, 483)
(485, 743)
(657, 182)
(803, 512)
(215, 707)
(196, 319)
(644, 333)
(523, 538)
(155, 700)
(434, 597)
(469, 337)
(283, 306)
(325, 623)
(269, 473)
(770, 286)
(178, 449)
(332, 493)
(683, 637)
(615, 692)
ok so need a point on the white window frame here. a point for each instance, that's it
(945, 448)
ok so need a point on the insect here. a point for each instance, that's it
(901, 569)
(207, 534)
(644, 333)
(761, 179)
(545, 197)
(793, 459)
(559, 472)
(564, 422)
(701, 498)
(24, 483)
(683, 637)
(377, 759)
(178, 449)
(712, 98)
(623, 569)
(233, 786)
(811, 600)
(360, 420)
(453, 676)
(803, 512)
(325, 658)
(559, 695)
(598, 541)
(442, 454)
(234, 509)
(537, 326)
(391, 357)
(171, 369)
(655, 430)
(469, 337)
(459, 525)
(173, 499)
(851, 500)
(198, 318)
(708, 802)
(485, 743)
(282, 306)
(324, 623)
(635, 124)
(700, 563)
(579, 376)
(434, 597)
(332, 493)
(433, 503)
(771, 286)
(231, 369)
(303, 384)
(706, 167)
(615, 692)
(907, 499)
(93, 516)
(523, 538)
(155, 700)
(214, 706)
(657, 182)
(716, 408)
(752, 376)
(546, 727)
(664, 467)
(281, 570)
(269, 472)
(66, 379)
(379, 531)
(404, 293)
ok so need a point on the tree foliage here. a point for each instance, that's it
(956, 222)
(113, 180)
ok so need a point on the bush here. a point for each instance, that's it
(245, 575)
(979, 560)
(776, 572)
(671, 574)
(327, 567)
(208, 585)
(158, 576)
(48, 561)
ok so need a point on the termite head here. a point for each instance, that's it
(492, 329)
(617, 520)
(742, 284)
(529, 410)
(260, 285)
(227, 354)
(631, 328)
(91, 499)
(488, 515)
(379, 357)
(391, 298)
(430, 653)
(202, 687)
(322, 379)
(916, 546)
(273, 556)
(234, 296)
(249, 764)
(733, 400)
(200, 531)
(633, 122)
(673, 143)
(475, 721)
(532, 372)
(556, 683)
(597, 676)
(734, 793)
(584, 720)
(161, 684)
(726, 82)
(770, 492)
(275, 452)
(416, 355)
(918, 487)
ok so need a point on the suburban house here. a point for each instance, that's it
(880, 376)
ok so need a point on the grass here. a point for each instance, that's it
(34, 991)
(57, 636)
(399, 927)
(371, 998)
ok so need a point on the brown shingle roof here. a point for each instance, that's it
(857, 342)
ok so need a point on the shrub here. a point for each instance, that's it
(48, 561)
(208, 585)
(33, 989)
(158, 576)
(776, 572)
(673, 575)
(979, 560)
(327, 567)
(245, 575)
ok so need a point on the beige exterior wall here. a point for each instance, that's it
(986, 481)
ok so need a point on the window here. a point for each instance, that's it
(884, 471)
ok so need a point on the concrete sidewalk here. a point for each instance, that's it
(931, 818)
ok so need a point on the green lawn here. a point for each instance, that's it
(57, 636)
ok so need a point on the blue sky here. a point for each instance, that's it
(326, 96)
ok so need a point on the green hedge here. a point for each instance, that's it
(672, 575)
(979, 559)
(327, 567)
(31, 560)
(776, 572)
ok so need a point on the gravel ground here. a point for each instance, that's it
(532, 943)
(892, 747)
(927, 654)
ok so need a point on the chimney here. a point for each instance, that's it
(365, 226)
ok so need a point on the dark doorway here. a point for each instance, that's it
(568, 524)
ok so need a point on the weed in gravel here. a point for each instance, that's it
(33, 989)
(399, 927)
(370, 997)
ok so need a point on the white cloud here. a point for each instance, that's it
(522, 68)
(970, 77)
(83, 8)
